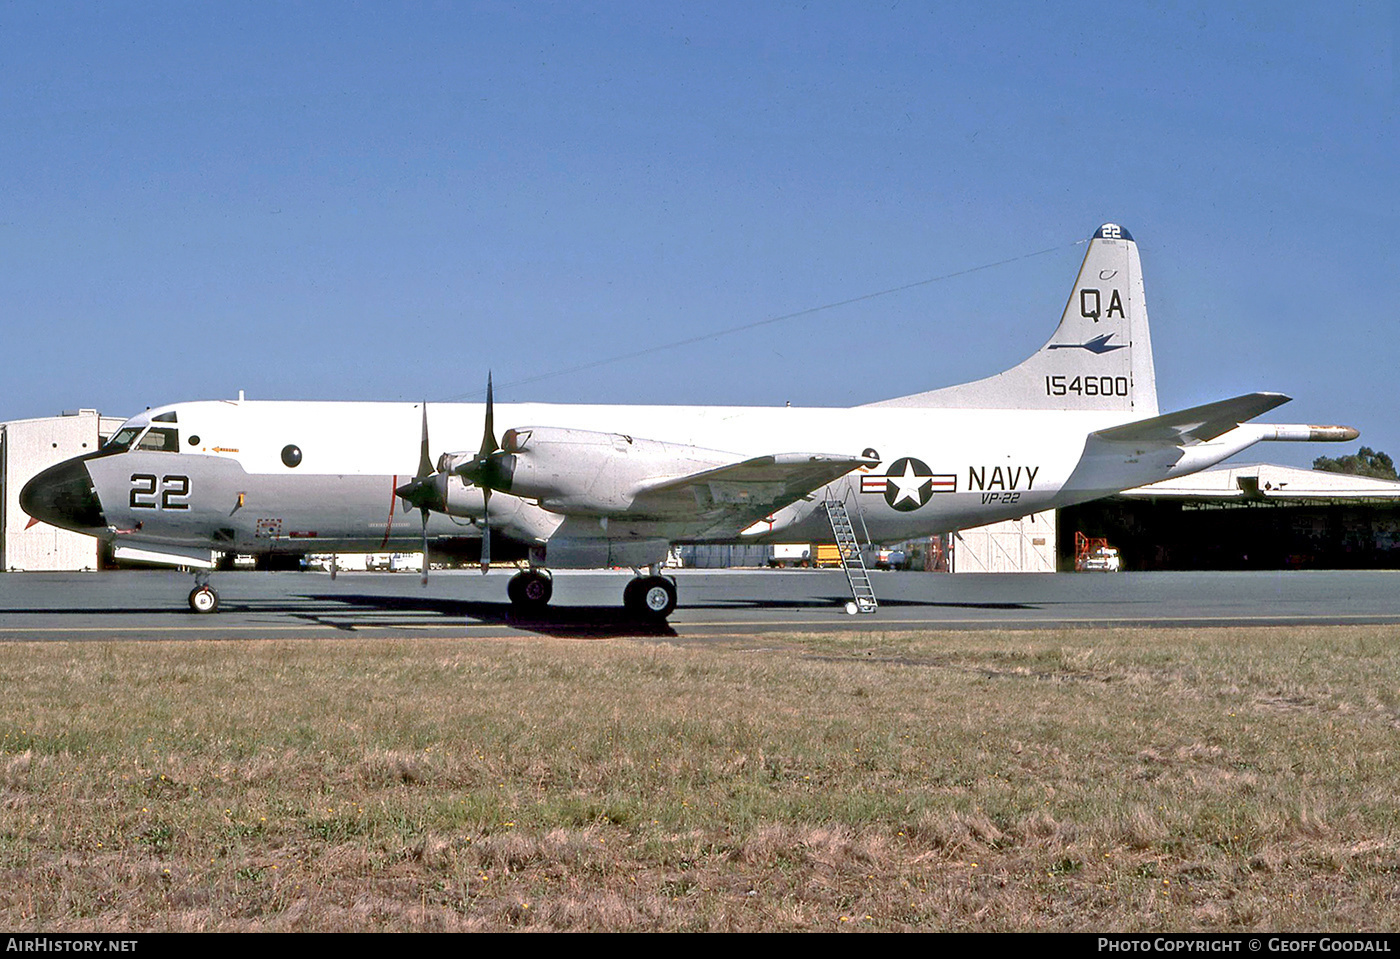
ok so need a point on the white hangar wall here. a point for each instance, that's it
(28, 447)
(1025, 545)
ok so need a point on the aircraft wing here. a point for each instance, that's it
(734, 497)
(648, 488)
(1199, 424)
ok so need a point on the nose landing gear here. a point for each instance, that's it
(203, 598)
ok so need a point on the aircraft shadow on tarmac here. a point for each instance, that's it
(426, 604)
(600, 621)
(838, 602)
(584, 621)
(592, 622)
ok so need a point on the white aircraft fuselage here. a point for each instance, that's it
(955, 469)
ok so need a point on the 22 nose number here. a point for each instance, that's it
(167, 492)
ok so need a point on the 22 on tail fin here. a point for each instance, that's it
(1099, 358)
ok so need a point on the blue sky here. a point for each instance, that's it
(384, 201)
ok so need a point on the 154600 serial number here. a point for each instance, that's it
(1086, 386)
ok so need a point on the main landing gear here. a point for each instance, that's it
(203, 599)
(652, 597)
(530, 589)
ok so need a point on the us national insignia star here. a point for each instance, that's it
(908, 489)
(908, 484)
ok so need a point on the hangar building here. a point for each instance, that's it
(1246, 517)
(28, 447)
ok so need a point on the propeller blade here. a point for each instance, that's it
(425, 469)
(486, 470)
(425, 462)
(485, 529)
(488, 439)
(425, 546)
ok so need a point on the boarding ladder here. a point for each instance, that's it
(851, 560)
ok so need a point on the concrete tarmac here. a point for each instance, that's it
(134, 605)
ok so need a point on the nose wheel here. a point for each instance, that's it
(650, 597)
(203, 599)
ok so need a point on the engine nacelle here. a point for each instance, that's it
(582, 471)
(509, 514)
(458, 497)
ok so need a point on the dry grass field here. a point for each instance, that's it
(1057, 780)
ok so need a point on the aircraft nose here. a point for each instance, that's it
(63, 496)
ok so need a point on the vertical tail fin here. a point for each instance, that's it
(1099, 358)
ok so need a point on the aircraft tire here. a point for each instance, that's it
(650, 597)
(530, 590)
(204, 600)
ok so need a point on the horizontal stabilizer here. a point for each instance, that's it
(1199, 424)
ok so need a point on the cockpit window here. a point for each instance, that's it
(123, 439)
(161, 440)
(158, 439)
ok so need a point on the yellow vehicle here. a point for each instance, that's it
(804, 554)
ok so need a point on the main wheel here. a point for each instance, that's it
(530, 590)
(650, 597)
(203, 599)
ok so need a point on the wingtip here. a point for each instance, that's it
(1310, 433)
(1333, 434)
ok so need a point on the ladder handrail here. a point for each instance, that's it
(860, 511)
(852, 562)
(847, 492)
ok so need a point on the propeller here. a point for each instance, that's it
(422, 490)
(490, 470)
(487, 471)
(483, 458)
